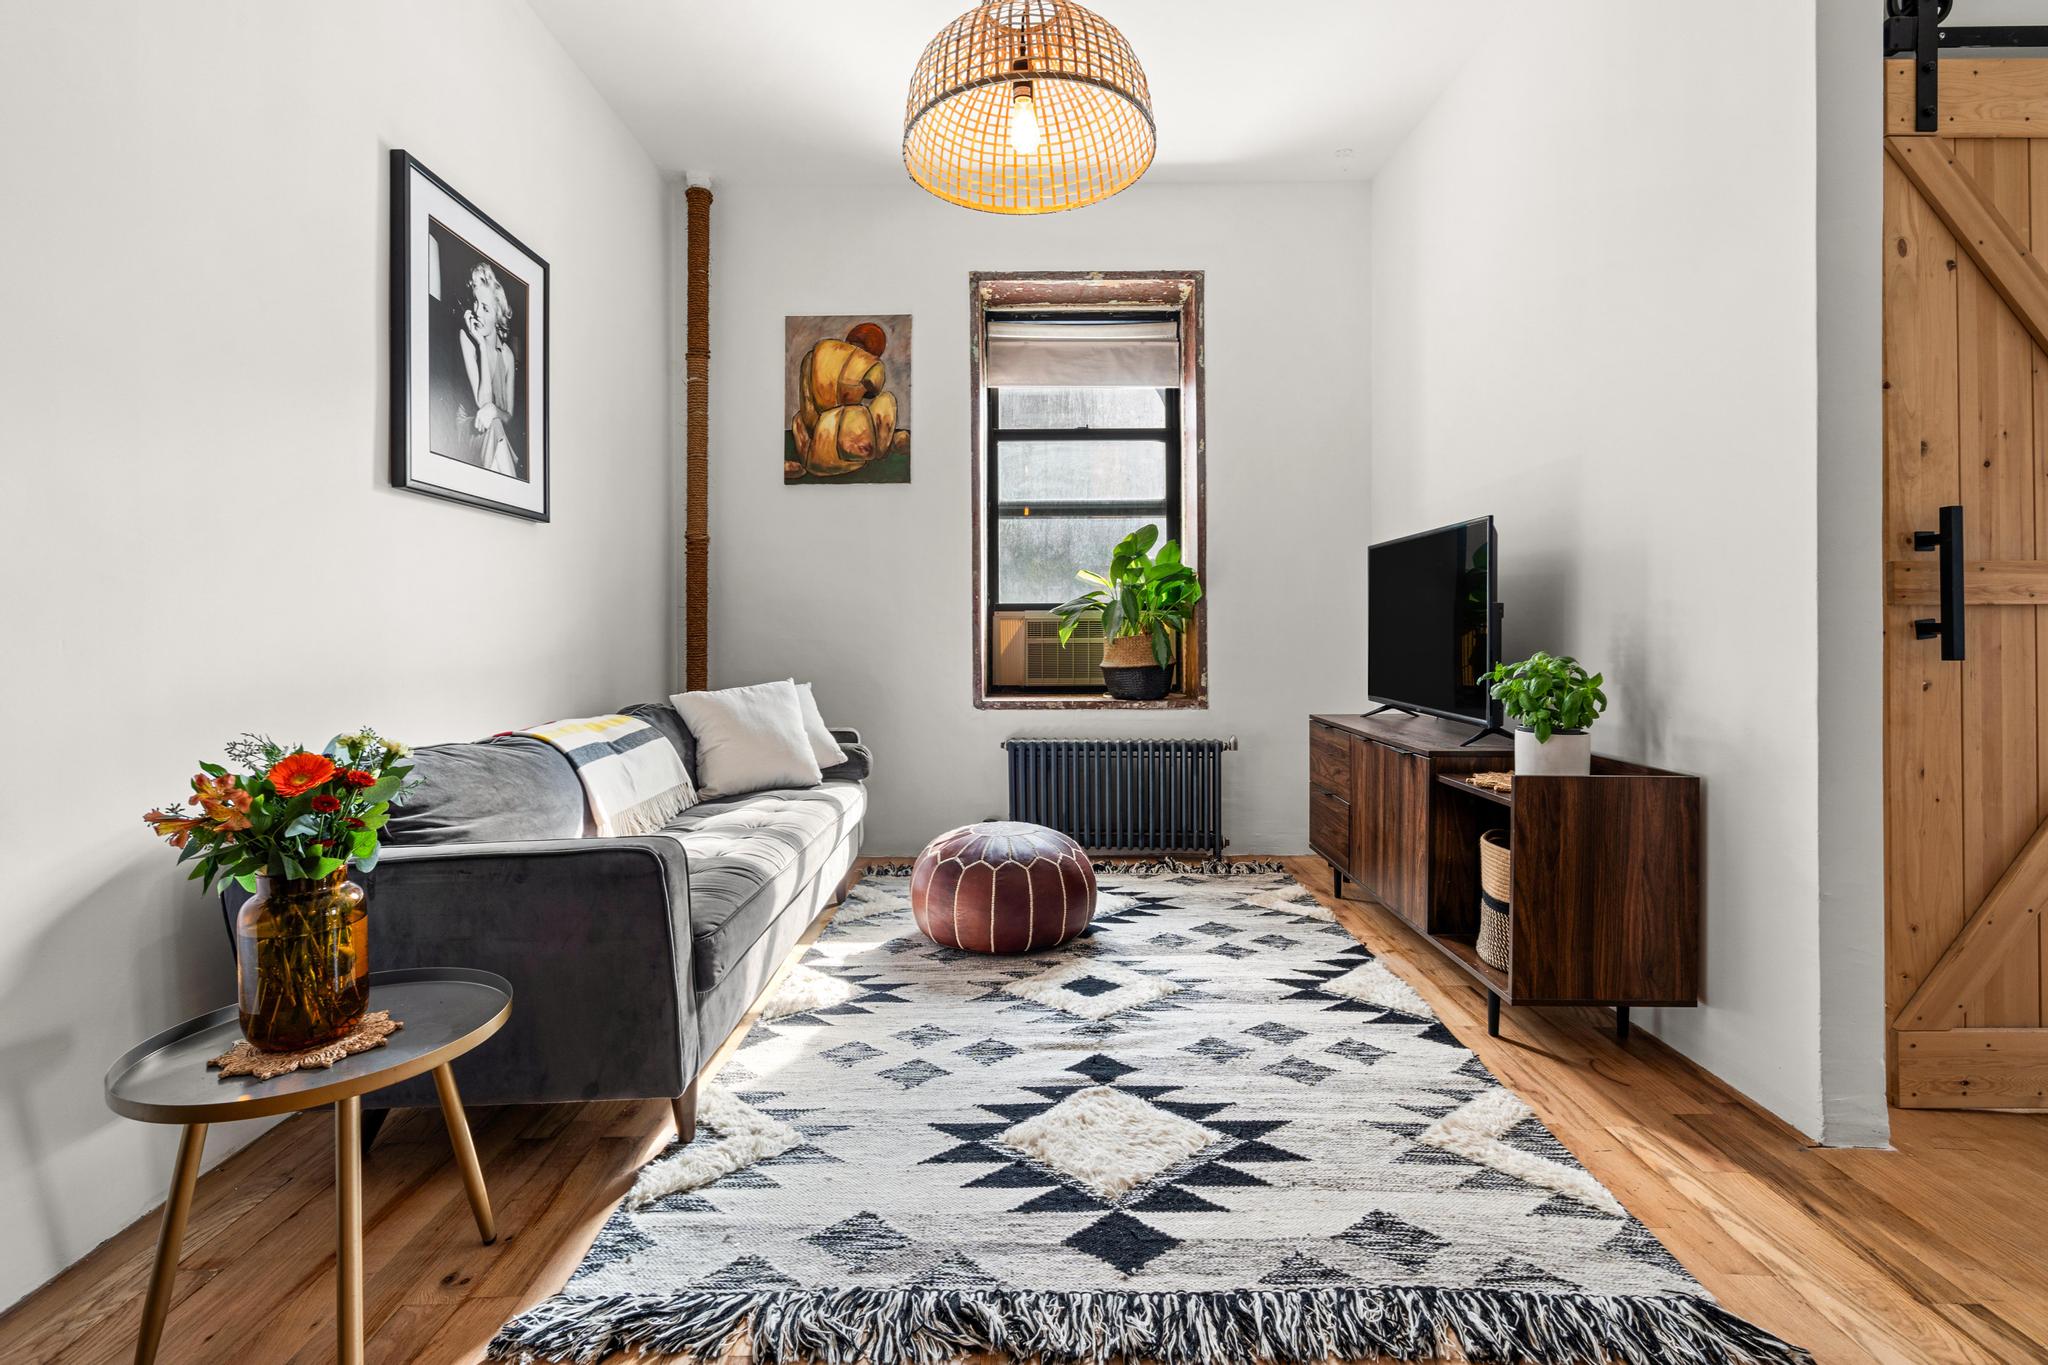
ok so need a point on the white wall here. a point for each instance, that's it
(1851, 550)
(1594, 314)
(866, 589)
(198, 536)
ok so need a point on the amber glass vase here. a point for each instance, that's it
(302, 950)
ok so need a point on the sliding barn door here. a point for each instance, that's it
(1966, 738)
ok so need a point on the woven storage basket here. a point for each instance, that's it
(1495, 883)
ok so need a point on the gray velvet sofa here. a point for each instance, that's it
(630, 959)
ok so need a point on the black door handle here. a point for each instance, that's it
(1948, 626)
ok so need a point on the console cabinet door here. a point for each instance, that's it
(1389, 805)
(1368, 844)
(1402, 857)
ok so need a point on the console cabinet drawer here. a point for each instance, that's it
(1329, 759)
(1329, 826)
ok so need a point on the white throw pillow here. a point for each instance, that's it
(749, 739)
(823, 747)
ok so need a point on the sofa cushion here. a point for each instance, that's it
(749, 856)
(512, 787)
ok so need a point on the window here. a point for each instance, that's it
(1088, 427)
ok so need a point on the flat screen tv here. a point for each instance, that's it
(1434, 624)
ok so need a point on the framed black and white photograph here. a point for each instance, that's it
(469, 351)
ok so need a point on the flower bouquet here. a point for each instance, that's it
(287, 828)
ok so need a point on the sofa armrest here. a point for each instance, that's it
(593, 934)
(859, 760)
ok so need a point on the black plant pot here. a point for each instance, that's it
(1137, 684)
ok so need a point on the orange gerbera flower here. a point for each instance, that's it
(223, 801)
(301, 772)
(173, 826)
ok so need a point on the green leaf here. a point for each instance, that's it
(1162, 645)
(327, 867)
(384, 789)
(247, 881)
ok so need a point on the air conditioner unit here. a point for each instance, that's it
(1028, 652)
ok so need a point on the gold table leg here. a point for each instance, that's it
(348, 1211)
(176, 1207)
(465, 1153)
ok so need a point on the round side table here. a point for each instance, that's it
(446, 1012)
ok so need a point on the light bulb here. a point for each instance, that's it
(1024, 131)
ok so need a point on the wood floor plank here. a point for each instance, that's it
(1931, 1252)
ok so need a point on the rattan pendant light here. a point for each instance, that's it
(1028, 106)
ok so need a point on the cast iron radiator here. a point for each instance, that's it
(1122, 795)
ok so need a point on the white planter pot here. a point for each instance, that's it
(1567, 753)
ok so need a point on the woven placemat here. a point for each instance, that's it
(246, 1059)
(1493, 782)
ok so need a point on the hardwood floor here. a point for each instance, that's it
(1937, 1251)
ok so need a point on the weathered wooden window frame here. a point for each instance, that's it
(1179, 291)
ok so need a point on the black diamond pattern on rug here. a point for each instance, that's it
(1103, 1069)
(988, 1051)
(1564, 1206)
(913, 1073)
(1173, 1199)
(1216, 1050)
(747, 1272)
(1364, 1053)
(1300, 1069)
(1275, 1033)
(851, 1054)
(1299, 1271)
(1062, 1199)
(924, 1035)
(1123, 1242)
(859, 1239)
(1404, 1244)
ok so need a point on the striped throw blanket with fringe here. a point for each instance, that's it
(633, 778)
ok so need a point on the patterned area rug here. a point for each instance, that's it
(1215, 1128)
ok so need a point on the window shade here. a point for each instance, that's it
(1065, 354)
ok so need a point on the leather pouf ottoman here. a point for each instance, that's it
(1002, 887)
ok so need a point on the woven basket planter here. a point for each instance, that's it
(1495, 886)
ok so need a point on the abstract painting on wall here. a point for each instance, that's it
(846, 388)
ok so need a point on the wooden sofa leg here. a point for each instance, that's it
(685, 1107)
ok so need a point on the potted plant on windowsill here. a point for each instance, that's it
(1144, 603)
(1553, 702)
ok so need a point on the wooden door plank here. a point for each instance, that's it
(1978, 227)
(2001, 97)
(2037, 187)
(1923, 696)
(1974, 1068)
(1995, 380)
(1986, 582)
(1986, 940)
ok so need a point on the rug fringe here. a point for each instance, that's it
(1135, 867)
(927, 1326)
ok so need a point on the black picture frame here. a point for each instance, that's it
(498, 457)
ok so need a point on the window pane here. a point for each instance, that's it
(1099, 409)
(1082, 471)
(1037, 557)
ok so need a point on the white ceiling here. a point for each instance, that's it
(1243, 90)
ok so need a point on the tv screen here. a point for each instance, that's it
(1430, 635)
